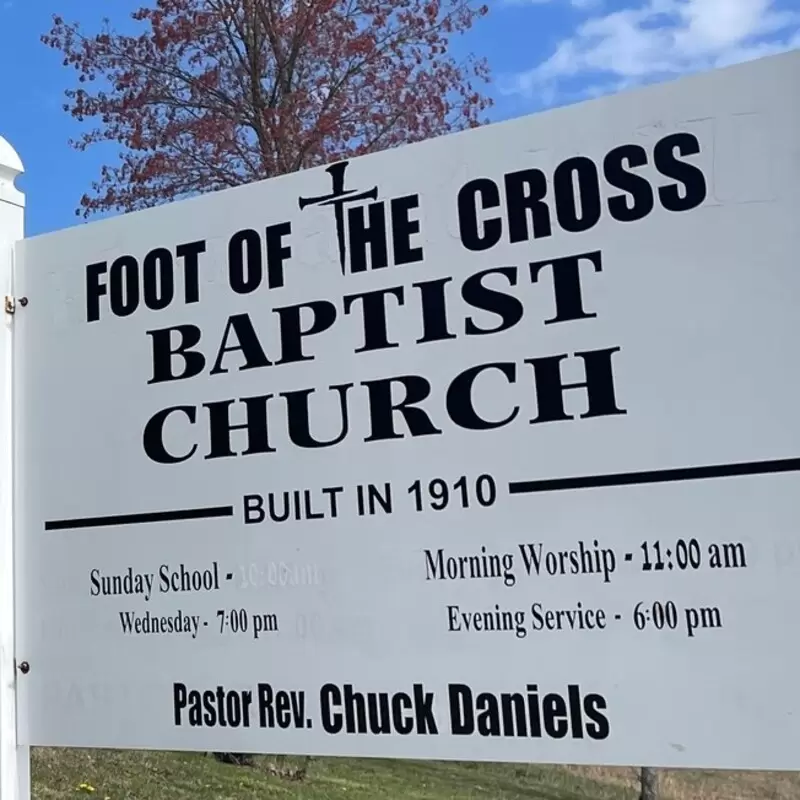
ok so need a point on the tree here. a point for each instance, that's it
(209, 94)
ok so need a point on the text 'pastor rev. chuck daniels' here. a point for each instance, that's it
(343, 709)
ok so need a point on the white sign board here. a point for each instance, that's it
(485, 448)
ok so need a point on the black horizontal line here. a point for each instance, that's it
(211, 512)
(657, 476)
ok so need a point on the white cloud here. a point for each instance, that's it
(527, 2)
(581, 4)
(660, 38)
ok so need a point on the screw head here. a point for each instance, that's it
(24, 667)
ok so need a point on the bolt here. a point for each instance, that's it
(24, 667)
(23, 301)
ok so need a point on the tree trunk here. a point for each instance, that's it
(237, 759)
(648, 779)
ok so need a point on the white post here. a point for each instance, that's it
(14, 760)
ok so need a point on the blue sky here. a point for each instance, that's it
(542, 52)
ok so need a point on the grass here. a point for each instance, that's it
(113, 775)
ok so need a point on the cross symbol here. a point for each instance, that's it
(338, 197)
